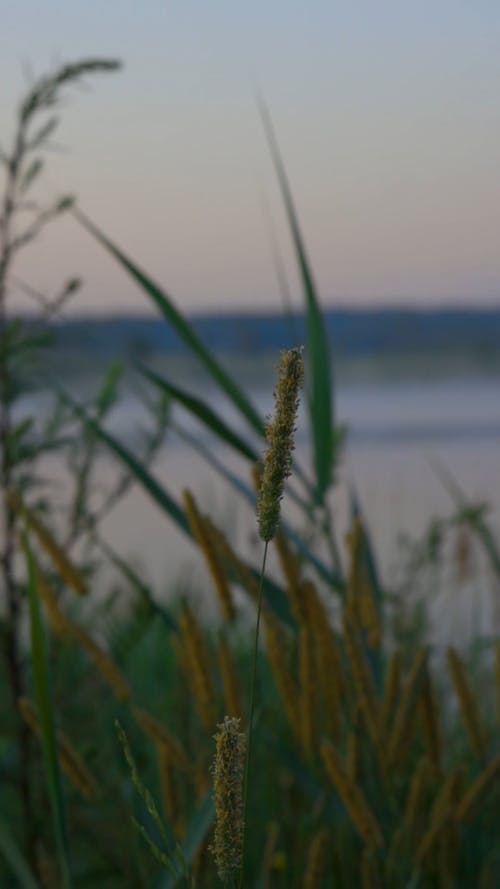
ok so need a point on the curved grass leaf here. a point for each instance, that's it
(318, 353)
(41, 678)
(15, 860)
(184, 330)
(204, 413)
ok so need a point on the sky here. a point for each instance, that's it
(388, 118)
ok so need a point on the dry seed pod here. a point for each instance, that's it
(285, 682)
(352, 797)
(71, 575)
(362, 680)
(197, 663)
(215, 565)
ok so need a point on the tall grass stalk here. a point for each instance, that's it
(251, 710)
(276, 469)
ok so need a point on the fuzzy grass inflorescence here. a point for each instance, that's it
(228, 795)
(279, 436)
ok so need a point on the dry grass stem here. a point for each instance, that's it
(468, 707)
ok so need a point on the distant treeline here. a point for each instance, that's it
(352, 333)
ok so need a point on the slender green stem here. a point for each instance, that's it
(251, 710)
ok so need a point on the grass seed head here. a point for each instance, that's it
(228, 795)
(280, 444)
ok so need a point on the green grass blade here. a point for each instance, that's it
(15, 860)
(43, 697)
(318, 353)
(204, 413)
(184, 330)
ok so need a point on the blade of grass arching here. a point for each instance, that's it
(203, 413)
(41, 678)
(15, 860)
(177, 320)
(197, 830)
(318, 353)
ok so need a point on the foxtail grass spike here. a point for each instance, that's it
(280, 444)
(404, 721)
(352, 796)
(215, 566)
(228, 795)
(198, 667)
(71, 575)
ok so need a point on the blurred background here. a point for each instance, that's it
(387, 117)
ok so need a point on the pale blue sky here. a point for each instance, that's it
(388, 115)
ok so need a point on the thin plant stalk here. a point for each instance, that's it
(251, 710)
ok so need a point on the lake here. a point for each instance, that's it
(401, 432)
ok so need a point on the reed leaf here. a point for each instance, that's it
(321, 395)
(204, 413)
